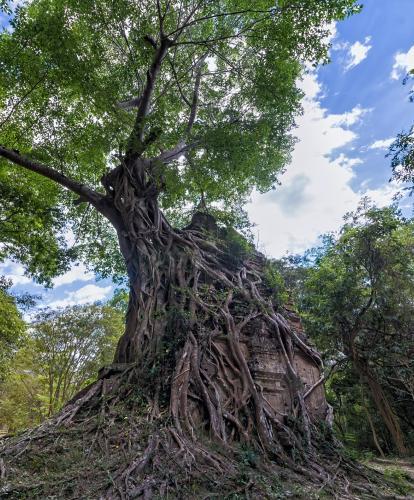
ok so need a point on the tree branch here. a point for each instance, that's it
(129, 104)
(161, 16)
(19, 101)
(137, 134)
(175, 153)
(179, 30)
(177, 81)
(131, 55)
(194, 103)
(215, 16)
(83, 191)
(222, 38)
(322, 380)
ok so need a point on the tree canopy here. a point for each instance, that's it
(358, 303)
(402, 149)
(207, 89)
(62, 352)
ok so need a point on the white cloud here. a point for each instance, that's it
(384, 195)
(85, 295)
(348, 118)
(346, 162)
(403, 62)
(315, 192)
(15, 272)
(76, 273)
(357, 52)
(382, 143)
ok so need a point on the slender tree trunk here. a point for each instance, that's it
(371, 425)
(380, 399)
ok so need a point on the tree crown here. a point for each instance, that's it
(206, 90)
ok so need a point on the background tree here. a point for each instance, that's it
(23, 395)
(12, 326)
(71, 345)
(358, 302)
(402, 149)
(62, 354)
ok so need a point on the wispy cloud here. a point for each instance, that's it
(403, 62)
(77, 273)
(382, 143)
(85, 295)
(316, 190)
(348, 118)
(357, 52)
(15, 272)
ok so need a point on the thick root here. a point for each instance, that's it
(113, 448)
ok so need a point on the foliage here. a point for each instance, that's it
(352, 409)
(119, 300)
(402, 149)
(23, 392)
(358, 302)
(66, 103)
(293, 270)
(63, 353)
(366, 275)
(402, 163)
(12, 326)
(274, 279)
(31, 225)
(237, 247)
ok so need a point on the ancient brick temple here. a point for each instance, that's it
(269, 369)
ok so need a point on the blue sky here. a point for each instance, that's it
(389, 28)
(353, 108)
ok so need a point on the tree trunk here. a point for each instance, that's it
(381, 402)
(371, 425)
(196, 310)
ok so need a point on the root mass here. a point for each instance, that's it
(214, 389)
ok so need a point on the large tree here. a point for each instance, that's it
(358, 302)
(135, 111)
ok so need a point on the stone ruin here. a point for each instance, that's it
(269, 369)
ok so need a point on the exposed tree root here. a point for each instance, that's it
(182, 412)
(122, 453)
(114, 448)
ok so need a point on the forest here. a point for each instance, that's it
(134, 135)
